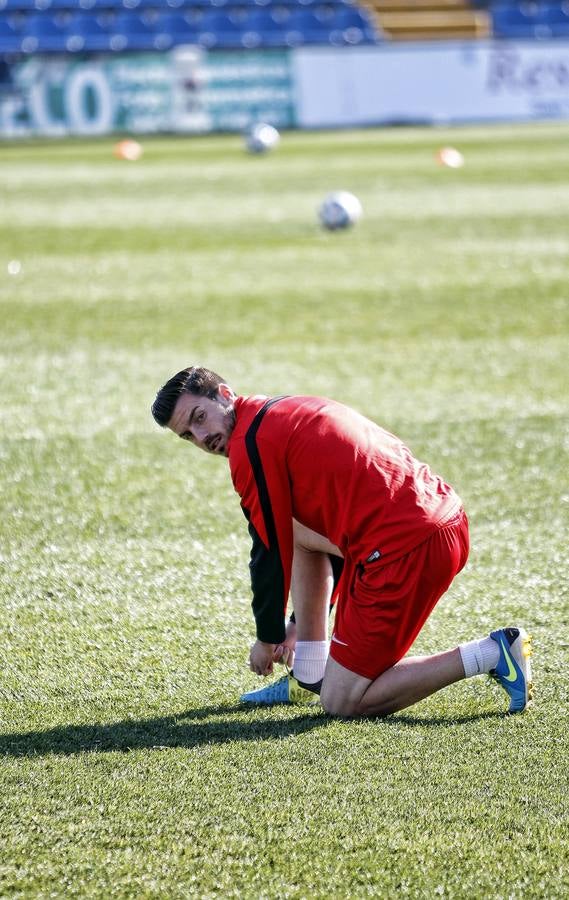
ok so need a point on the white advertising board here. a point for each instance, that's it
(437, 82)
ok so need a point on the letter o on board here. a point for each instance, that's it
(88, 87)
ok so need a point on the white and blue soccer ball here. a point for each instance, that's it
(261, 138)
(340, 210)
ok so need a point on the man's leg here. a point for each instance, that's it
(504, 654)
(313, 579)
(312, 584)
(344, 693)
(310, 591)
(368, 633)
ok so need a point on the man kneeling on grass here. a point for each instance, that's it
(317, 480)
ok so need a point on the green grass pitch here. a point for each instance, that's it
(127, 767)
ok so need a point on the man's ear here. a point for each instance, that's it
(225, 392)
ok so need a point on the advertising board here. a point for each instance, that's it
(185, 90)
(432, 83)
(191, 91)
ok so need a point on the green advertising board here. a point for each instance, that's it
(246, 87)
(185, 90)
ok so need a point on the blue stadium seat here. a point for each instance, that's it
(45, 32)
(92, 32)
(175, 28)
(87, 5)
(286, 25)
(99, 26)
(180, 4)
(251, 3)
(556, 17)
(309, 26)
(7, 5)
(351, 26)
(71, 4)
(222, 29)
(519, 21)
(10, 33)
(266, 26)
(135, 31)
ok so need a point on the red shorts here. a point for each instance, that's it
(382, 608)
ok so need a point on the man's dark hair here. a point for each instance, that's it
(193, 380)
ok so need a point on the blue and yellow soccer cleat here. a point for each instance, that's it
(285, 690)
(513, 671)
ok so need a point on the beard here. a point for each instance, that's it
(229, 418)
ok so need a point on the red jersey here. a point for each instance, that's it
(334, 471)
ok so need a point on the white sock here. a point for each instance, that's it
(310, 661)
(478, 657)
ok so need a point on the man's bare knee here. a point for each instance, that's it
(342, 691)
(349, 708)
(337, 706)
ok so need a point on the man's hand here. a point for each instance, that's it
(261, 658)
(284, 653)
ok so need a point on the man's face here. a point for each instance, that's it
(206, 422)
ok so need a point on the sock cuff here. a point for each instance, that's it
(312, 649)
(479, 657)
(310, 661)
(471, 661)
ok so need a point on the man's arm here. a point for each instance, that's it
(261, 478)
(267, 584)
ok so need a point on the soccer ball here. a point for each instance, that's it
(340, 210)
(261, 138)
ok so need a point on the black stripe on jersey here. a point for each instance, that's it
(267, 575)
(257, 467)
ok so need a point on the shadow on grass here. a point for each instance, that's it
(185, 729)
(188, 729)
(444, 721)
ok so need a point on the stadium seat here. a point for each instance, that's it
(222, 29)
(8, 5)
(519, 21)
(134, 31)
(182, 5)
(556, 17)
(303, 28)
(104, 26)
(71, 4)
(10, 33)
(266, 26)
(351, 26)
(310, 25)
(96, 5)
(175, 28)
(93, 31)
(285, 25)
(45, 33)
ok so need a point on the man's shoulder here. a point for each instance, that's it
(246, 408)
(286, 407)
(275, 415)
